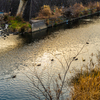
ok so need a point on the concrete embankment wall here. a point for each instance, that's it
(38, 25)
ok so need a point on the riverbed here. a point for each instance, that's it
(47, 56)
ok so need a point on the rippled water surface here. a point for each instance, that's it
(19, 56)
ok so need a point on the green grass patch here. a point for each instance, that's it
(17, 24)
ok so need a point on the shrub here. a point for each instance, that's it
(68, 13)
(92, 6)
(75, 11)
(23, 29)
(19, 25)
(78, 8)
(45, 12)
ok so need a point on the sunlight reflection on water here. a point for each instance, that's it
(38, 56)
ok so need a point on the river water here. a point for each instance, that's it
(22, 56)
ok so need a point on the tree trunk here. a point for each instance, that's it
(21, 7)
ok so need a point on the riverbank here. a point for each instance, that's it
(86, 83)
(49, 17)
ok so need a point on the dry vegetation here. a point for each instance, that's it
(46, 12)
(74, 11)
(86, 85)
(79, 9)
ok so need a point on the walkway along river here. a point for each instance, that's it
(19, 55)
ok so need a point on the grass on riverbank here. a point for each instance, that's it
(86, 85)
(17, 24)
